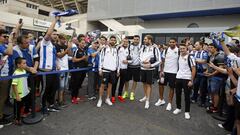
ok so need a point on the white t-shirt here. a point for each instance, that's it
(184, 71)
(146, 54)
(171, 60)
(63, 62)
(73, 49)
(236, 62)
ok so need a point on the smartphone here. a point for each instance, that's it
(20, 20)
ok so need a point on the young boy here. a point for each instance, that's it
(20, 89)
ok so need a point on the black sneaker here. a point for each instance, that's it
(5, 122)
(62, 105)
(53, 108)
(8, 116)
(45, 112)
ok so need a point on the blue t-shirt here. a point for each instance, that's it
(29, 54)
(93, 61)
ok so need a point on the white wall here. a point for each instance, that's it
(10, 19)
(105, 9)
(19, 6)
(209, 21)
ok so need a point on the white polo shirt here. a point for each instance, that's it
(171, 60)
(184, 71)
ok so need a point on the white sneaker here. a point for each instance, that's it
(187, 115)
(146, 105)
(169, 107)
(143, 99)
(107, 101)
(177, 111)
(220, 125)
(160, 102)
(99, 103)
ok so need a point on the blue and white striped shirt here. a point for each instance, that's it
(47, 55)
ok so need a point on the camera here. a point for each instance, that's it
(152, 60)
(129, 57)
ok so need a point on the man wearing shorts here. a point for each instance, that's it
(149, 59)
(216, 79)
(108, 69)
(133, 67)
(169, 71)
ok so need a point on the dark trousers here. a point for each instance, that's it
(92, 83)
(19, 104)
(50, 85)
(200, 83)
(3, 95)
(229, 123)
(77, 80)
(114, 86)
(123, 79)
(183, 84)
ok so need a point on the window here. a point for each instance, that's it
(31, 6)
(42, 12)
(193, 25)
(3, 2)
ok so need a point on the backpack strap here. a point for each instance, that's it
(129, 49)
(154, 53)
(166, 52)
(189, 62)
(104, 51)
(118, 49)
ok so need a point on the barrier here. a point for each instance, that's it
(44, 73)
(37, 117)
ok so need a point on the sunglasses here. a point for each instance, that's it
(5, 36)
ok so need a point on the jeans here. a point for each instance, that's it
(200, 83)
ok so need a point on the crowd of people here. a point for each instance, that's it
(206, 73)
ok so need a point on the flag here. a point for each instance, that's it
(69, 12)
(233, 32)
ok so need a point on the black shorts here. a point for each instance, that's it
(237, 108)
(147, 76)
(133, 74)
(170, 79)
(109, 77)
